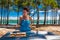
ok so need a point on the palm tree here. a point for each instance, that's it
(18, 3)
(8, 5)
(1, 10)
(59, 19)
(54, 7)
(46, 3)
(50, 3)
(2, 5)
(37, 3)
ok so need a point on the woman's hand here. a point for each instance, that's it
(32, 27)
(17, 25)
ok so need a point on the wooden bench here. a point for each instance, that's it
(20, 34)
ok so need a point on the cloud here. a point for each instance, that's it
(10, 18)
(42, 18)
(41, 11)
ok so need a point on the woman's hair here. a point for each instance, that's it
(25, 8)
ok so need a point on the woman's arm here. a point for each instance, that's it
(32, 27)
(18, 25)
(31, 22)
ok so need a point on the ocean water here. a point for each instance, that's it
(14, 22)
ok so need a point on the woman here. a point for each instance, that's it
(25, 21)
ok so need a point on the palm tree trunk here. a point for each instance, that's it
(59, 19)
(37, 18)
(1, 15)
(18, 16)
(52, 16)
(45, 17)
(8, 15)
(37, 14)
(4, 14)
(56, 16)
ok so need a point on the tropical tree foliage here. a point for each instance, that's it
(27, 3)
(51, 3)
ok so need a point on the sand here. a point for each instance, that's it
(53, 29)
(3, 31)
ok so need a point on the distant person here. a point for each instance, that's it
(25, 21)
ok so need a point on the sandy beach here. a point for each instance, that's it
(53, 29)
(3, 31)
